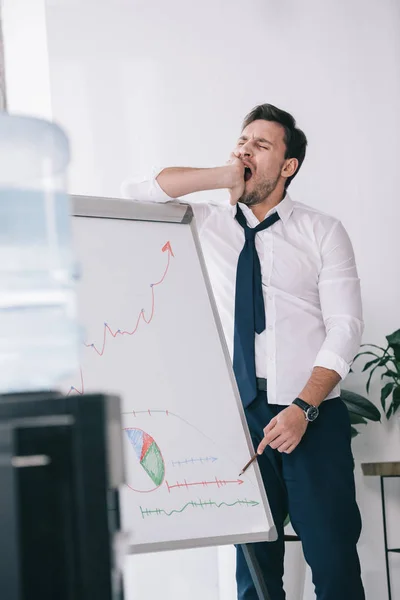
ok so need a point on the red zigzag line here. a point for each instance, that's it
(165, 248)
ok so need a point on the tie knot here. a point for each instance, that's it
(250, 233)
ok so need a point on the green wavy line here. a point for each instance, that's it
(158, 511)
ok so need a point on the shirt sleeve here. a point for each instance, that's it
(340, 298)
(147, 189)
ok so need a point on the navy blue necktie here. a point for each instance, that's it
(249, 309)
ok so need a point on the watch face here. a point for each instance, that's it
(312, 413)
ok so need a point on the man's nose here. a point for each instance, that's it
(245, 150)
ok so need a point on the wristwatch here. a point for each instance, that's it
(310, 412)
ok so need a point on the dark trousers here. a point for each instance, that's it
(315, 485)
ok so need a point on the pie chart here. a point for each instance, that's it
(149, 458)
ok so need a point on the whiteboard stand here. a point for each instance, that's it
(255, 572)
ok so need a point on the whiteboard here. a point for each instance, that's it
(152, 335)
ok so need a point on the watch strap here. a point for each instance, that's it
(302, 404)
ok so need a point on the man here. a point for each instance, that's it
(289, 299)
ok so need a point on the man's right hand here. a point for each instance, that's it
(235, 178)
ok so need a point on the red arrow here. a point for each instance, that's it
(218, 482)
(166, 247)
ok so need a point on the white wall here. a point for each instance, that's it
(143, 82)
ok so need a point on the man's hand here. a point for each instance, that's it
(235, 178)
(284, 432)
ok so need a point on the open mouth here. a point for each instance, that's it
(247, 174)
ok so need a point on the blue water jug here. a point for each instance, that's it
(38, 324)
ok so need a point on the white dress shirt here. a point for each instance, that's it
(310, 283)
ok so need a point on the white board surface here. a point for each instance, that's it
(152, 336)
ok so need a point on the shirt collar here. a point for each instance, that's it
(284, 210)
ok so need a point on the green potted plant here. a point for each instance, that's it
(387, 359)
(360, 410)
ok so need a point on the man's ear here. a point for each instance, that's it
(290, 167)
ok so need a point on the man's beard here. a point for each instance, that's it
(260, 193)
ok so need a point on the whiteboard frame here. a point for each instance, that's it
(180, 213)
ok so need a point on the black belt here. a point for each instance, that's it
(261, 384)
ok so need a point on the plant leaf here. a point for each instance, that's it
(382, 362)
(373, 346)
(396, 399)
(360, 405)
(385, 392)
(367, 352)
(370, 377)
(370, 363)
(390, 373)
(356, 419)
(394, 342)
(354, 432)
(394, 338)
(395, 403)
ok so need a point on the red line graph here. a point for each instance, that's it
(218, 482)
(100, 350)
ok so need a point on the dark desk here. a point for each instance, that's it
(382, 470)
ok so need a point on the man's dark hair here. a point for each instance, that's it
(295, 139)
